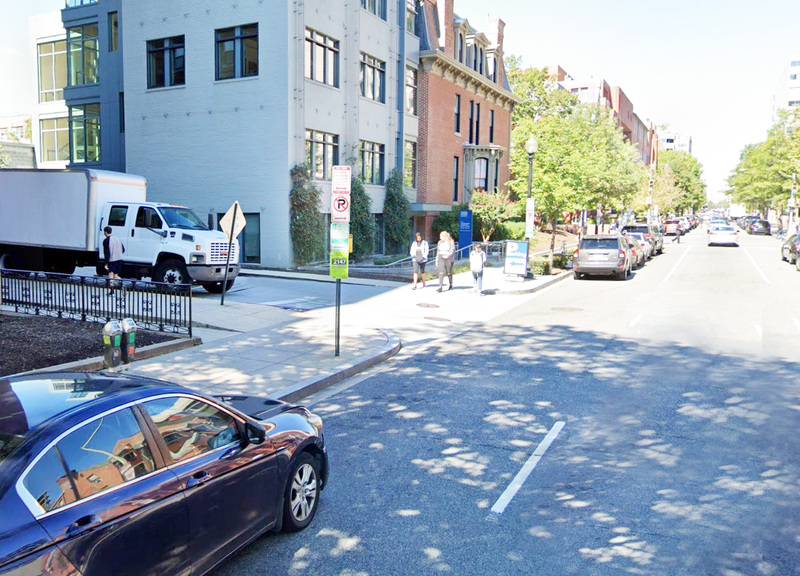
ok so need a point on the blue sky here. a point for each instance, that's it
(705, 68)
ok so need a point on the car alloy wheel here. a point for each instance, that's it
(302, 494)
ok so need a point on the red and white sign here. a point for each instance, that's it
(340, 180)
(340, 208)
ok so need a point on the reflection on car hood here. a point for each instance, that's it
(257, 407)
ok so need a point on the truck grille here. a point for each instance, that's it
(219, 253)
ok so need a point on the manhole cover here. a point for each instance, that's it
(566, 309)
(424, 305)
(435, 319)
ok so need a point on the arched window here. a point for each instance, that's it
(460, 54)
(481, 173)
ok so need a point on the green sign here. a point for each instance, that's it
(340, 250)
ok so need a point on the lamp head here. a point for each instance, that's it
(532, 145)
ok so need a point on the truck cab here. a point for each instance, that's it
(170, 244)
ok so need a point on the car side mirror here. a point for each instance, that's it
(255, 433)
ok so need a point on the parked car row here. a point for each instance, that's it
(754, 225)
(617, 254)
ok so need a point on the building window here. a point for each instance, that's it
(480, 61)
(458, 114)
(84, 125)
(249, 239)
(373, 78)
(792, 76)
(477, 123)
(481, 170)
(52, 70)
(322, 153)
(491, 126)
(474, 57)
(410, 164)
(460, 51)
(377, 7)
(166, 65)
(496, 175)
(113, 32)
(411, 17)
(372, 162)
(54, 134)
(793, 103)
(237, 52)
(471, 119)
(411, 91)
(455, 178)
(492, 68)
(795, 62)
(322, 58)
(83, 54)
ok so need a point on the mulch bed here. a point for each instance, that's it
(36, 342)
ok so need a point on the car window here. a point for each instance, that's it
(599, 244)
(190, 426)
(99, 455)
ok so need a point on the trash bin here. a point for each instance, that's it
(129, 328)
(112, 338)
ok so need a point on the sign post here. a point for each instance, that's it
(340, 234)
(530, 218)
(464, 229)
(232, 224)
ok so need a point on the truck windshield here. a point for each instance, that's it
(182, 218)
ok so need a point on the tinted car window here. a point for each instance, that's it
(191, 427)
(599, 244)
(99, 455)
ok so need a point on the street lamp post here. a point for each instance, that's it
(530, 147)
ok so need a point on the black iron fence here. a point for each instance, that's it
(152, 305)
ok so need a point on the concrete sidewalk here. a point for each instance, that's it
(257, 349)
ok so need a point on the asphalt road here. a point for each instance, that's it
(655, 420)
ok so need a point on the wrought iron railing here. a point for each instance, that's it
(152, 305)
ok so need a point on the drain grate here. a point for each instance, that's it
(435, 319)
(425, 305)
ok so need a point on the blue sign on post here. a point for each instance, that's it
(464, 229)
(516, 261)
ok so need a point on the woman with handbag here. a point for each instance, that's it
(419, 257)
(445, 256)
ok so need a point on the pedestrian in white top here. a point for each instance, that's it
(445, 256)
(477, 260)
(419, 257)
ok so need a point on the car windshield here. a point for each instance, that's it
(182, 218)
(599, 244)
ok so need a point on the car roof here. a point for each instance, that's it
(28, 401)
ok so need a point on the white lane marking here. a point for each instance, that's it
(763, 277)
(796, 323)
(635, 321)
(505, 498)
(678, 263)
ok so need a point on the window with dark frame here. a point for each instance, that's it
(477, 123)
(84, 125)
(377, 7)
(411, 17)
(481, 170)
(321, 58)
(166, 62)
(322, 153)
(83, 54)
(458, 114)
(371, 159)
(471, 119)
(52, 70)
(491, 126)
(410, 164)
(455, 178)
(236, 52)
(373, 78)
(411, 91)
(113, 31)
(54, 138)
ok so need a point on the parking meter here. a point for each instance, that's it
(112, 338)
(128, 347)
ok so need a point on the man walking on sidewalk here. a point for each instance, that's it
(112, 253)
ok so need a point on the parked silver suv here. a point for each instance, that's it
(602, 254)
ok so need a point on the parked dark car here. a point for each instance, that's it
(790, 249)
(606, 255)
(651, 232)
(759, 227)
(123, 475)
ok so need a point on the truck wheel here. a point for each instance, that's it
(216, 287)
(171, 272)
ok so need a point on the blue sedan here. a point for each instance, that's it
(114, 474)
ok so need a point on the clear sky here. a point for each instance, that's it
(704, 68)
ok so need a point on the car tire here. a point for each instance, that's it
(171, 272)
(301, 497)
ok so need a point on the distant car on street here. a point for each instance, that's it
(118, 474)
(651, 232)
(790, 249)
(759, 227)
(723, 236)
(602, 255)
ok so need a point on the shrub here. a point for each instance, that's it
(307, 226)
(395, 215)
(362, 223)
(449, 221)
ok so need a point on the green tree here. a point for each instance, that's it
(362, 223)
(490, 209)
(396, 218)
(307, 222)
(687, 174)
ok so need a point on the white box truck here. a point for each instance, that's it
(53, 221)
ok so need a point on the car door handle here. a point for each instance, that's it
(83, 524)
(198, 478)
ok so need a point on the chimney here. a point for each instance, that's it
(446, 27)
(494, 32)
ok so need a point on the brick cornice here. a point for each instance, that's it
(437, 62)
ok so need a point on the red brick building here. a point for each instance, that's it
(465, 107)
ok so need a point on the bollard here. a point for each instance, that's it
(112, 336)
(128, 347)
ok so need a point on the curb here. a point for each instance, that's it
(97, 364)
(542, 285)
(342, 372)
